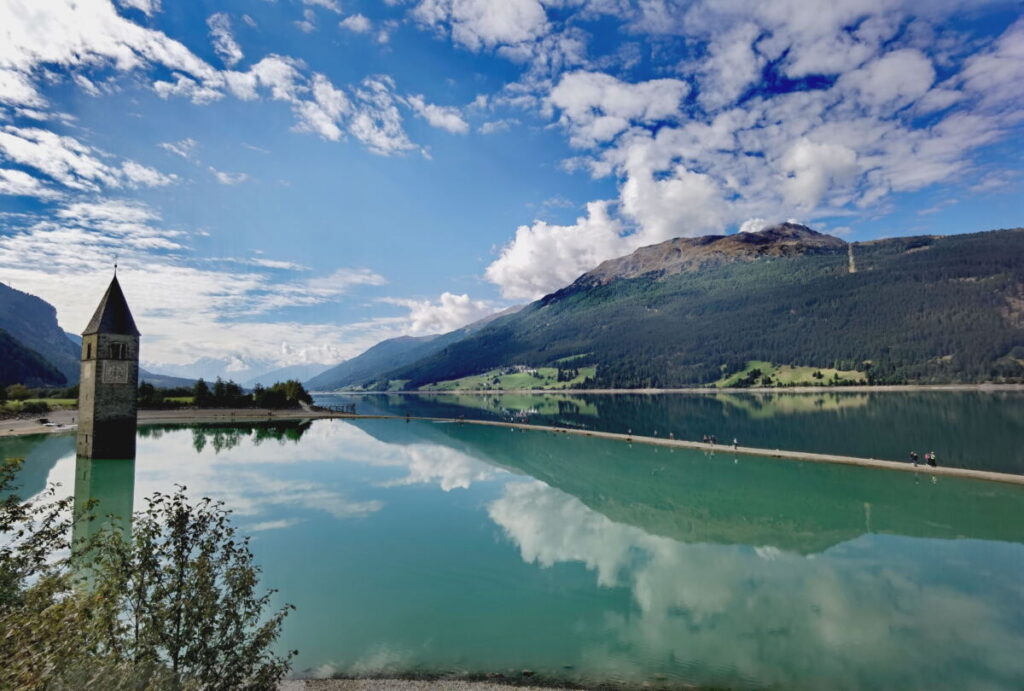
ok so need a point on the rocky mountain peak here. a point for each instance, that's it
(690, 254)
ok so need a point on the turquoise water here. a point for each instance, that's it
(431, 547)
(968, 429)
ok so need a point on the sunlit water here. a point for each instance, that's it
(429, 547)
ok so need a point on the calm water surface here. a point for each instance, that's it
(969, 429)
(452, 548)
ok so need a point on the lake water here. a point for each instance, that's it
(969, 429)
(439, 547)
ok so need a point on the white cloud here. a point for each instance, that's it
(91, 34)
(482, 24)
(356, 23)
(226, 178)
(16, 88)
(683, 203)
(221, 310)
(543, 258)
(813, 169)
(185, 147)
(444, 117)
(18, 183)
(138, 175)
(596, 107)
(754, 225)
(308, 22)
(147, 7)
(995, 75)
(495, 126)
(377, 122)
(323, 113)
(73, 164)
(447, 314)
(88, 33)
(732, 66)
(892, 81)
(224, 42)
(331, 5)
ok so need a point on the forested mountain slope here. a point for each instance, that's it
(33, 322)
(21, 365)
(372, 364)
(685, 312)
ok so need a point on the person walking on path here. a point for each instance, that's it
(931, 460)
(735, 443)
(913, 458)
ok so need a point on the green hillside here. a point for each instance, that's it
(371, 365)
(380, 358)
(918, 309)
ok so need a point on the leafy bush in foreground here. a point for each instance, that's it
(174, 605)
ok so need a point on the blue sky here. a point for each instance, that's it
(290, 181)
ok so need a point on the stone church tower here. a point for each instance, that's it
(109, 383)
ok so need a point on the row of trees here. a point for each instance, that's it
(225, 394)
(20, 392)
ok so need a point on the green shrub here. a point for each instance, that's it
(173, 605)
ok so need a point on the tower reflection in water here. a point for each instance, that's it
(107, 409)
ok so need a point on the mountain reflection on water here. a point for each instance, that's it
(970, 429)
(457, 548)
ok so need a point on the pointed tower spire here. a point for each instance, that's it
(112, 316)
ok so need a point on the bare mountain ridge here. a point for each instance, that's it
(690, 254)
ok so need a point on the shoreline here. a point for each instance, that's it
(64, 420)
(195, 416)
(859, 388)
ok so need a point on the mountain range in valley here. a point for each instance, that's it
(747, 309)
(781, 306)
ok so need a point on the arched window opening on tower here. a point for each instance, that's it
(119, 351)
(88, 351)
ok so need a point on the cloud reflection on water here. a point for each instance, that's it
(878, 611)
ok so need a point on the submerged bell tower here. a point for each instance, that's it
(109, 382)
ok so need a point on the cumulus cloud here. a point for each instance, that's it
(447, 314)
(308, 22)
(356, 23)
(480, 24)
(444, 117)
(681, 203)
(892, 81)
(595, 107)
(813, 168)
(223, 40)
(731, 67)
(542, 258)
